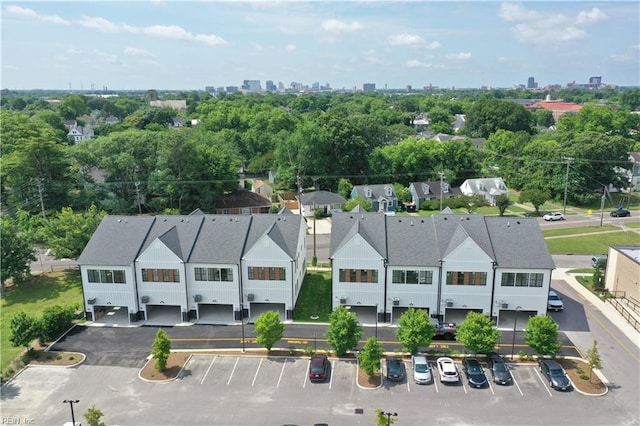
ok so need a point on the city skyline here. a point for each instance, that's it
(188, 46)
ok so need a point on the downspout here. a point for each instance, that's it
(494, 265)
(439, 301)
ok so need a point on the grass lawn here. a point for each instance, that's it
(32, 296)
(315, 298)
(580, 230)
(590, 244)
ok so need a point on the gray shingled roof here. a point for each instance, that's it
(321, 198)
(519, 243)
(116, 241)
(187, 227)
(434, 189)
(447, 225)
(221, 239)
(283, 230)
(412, 241)
(378, 191)
(371, 226)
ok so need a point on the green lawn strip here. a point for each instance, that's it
(315, 298)
(592, 244)
(580, 230)
(32, 297)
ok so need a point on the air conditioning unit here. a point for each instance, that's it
(144, 299)
(504, 305)
(396, 302)
(343, 300)
(197, 298)
(91, 300)
(251, 297)
(449, 303)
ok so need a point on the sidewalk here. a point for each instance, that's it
(606, 308)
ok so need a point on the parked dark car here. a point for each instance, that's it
(318, 368)
(396, 370)
(556, 375)
(474, 372)
(620, 213)
(499, 369)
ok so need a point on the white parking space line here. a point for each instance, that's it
(281, 372)
(232, 371)
(207, 372)
(333, 365)
(407, 376)
(489, 383)
(257, 371)
(543, 383)
(433, 376)
(513, 377)
(304, 384)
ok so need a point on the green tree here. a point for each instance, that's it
(369, 356)
(535, 197)
(489, 115)
(359, 201)
(593, 358)
(345, 187)
(542, 335)
(55, 320)
(597, 279)
(72, 106)
(402, 192)
(269, 329)
(544, 117)
(478, 333)
(415, 330)
(22, 330)
(502, 203)
(344, 331)
(160, 349)
(385, 419)
(16, 251)
(472, 202)
(94, 416)
(68, 233)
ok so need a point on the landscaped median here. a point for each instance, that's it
(577, 369)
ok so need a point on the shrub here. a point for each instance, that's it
(584, 376)
(308, 351)
(292, 350)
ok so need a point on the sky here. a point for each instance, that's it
(129, 45)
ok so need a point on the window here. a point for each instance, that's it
(412, 277)
(398, 277)
(466, 278)
(226, 274)
(258, 273)
(358, 275)
(106, 276)
(200, 274)
(510, 279)
(161, 275)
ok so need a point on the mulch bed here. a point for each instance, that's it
(593, 386)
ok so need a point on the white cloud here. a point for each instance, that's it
(73, 51)
(9, 67)
(336, 26)
(134, 51)
(593, 16)
(290, 47)
(173, 32)
(30, 13)
(414, 63)
(504, 59)
(107, 57)
(462, 56)
(551, 36)
(517, 12)
(411, 40)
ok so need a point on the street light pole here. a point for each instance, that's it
(376, 321)
(389, 415)
(71, 402)
(242, 324)
(515, 321)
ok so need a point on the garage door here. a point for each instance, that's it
(113, 315)
(211, 313)
(458, 315)
(256, 309)
(366, 315)
(398, 311)
(507, 319)
(163, 315)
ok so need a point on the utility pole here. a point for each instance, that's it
(41, 195)
(604, 193)
(441, 177)
(566, 183)
(137, 183)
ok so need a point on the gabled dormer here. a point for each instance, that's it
(480, 185)
(425, 188)
(388, 189)
(444, 188)
(367, 192)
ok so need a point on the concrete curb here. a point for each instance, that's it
(598, 373)
(149, 359)
(364, 387)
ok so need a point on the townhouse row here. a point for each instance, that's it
(206, 268)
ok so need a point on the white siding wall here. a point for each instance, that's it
(528, 298)
(419, 295)
(300, 265)
(223, 292)
(157, 256)
(358, 254)
(110, 294)
(267, 253)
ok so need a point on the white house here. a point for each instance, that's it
(447, 264)
(323, 201)
(489, 188)
(172, 269)
(80, 133)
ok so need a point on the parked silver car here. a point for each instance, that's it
(421, 370)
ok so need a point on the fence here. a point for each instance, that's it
(626, 314)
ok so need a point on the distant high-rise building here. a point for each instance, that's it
(369, 87)
(270, 86)
(595, 80)
(252, 86)
(531, 83)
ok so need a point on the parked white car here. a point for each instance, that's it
(555, 302)
(421, 369)
(447, 369)
(553, 216)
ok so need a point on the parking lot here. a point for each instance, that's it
(233, 390)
